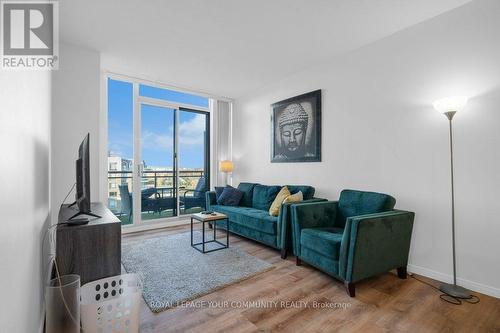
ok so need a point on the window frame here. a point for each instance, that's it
(137, 101)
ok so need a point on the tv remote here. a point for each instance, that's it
(80, 221)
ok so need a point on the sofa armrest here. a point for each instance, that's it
(210, 198)
(284, 231)
(311, 215)
(375, 243)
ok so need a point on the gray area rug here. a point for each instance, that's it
(173, 272)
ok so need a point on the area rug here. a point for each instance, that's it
(173, 272)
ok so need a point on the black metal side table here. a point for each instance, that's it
(205, 218)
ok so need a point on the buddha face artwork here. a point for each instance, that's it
(292, 124)
(296, 129)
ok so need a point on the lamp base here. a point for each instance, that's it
(455, 291)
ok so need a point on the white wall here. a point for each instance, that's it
(381, 133)
(43, 118)
(76, 111)
(25, 99)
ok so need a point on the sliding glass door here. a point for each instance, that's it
(159, 155)
(193, 160)
(173, 161)
(157, 163)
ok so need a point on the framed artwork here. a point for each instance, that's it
(296, 129)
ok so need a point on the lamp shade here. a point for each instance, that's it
(450, 104)
(226, 166)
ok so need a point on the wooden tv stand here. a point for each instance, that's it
(93, 250)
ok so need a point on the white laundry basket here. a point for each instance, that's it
(111, 305)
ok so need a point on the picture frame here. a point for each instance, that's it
(296, 129)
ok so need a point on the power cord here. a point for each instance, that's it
(69, 192)
(448, 298)
(52, 256)
(52, 260)
(64, 300)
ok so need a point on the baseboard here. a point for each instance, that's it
(474, 286)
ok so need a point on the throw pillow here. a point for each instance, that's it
(230, 196)
(278, 201)
(297, 197)
(218, 191)
(307, 191)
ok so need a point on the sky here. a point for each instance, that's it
(157, 126)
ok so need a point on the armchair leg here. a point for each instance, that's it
(284, 253)
(350, 288)
(298, 262)
(402, 272)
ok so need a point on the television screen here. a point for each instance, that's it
(83, 176)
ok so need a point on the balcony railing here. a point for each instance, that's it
(158, 178)
(162, 181)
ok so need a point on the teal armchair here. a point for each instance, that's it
(352, 239)
(284, 225)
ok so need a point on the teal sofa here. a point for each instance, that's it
(251, 217)
(359, 236)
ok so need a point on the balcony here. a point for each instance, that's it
(158, 195)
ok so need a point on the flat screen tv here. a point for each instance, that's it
(82, 196)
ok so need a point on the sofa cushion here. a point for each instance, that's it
(248, 217)
(307, 191)
(247, 189)
(278, 201)
(263, 196)
(325, 241)
(218, 191)
(327, 264)
(354, 203)
(230, 196)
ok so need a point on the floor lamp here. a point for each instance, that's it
(449, 107)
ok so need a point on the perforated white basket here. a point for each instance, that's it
(111, 305)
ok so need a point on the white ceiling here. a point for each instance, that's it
(231, 47)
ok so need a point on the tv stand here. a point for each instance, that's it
(81, 213)
(91, 250)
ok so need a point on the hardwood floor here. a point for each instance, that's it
(382, 304)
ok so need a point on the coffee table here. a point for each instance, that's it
(205, 218)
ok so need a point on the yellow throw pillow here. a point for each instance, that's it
(278, 201)
(297, 197)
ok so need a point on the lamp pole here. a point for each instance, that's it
(453, 289)
(450, 115)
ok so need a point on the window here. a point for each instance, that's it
(120, 145)
(172, 96)
(173, 159)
